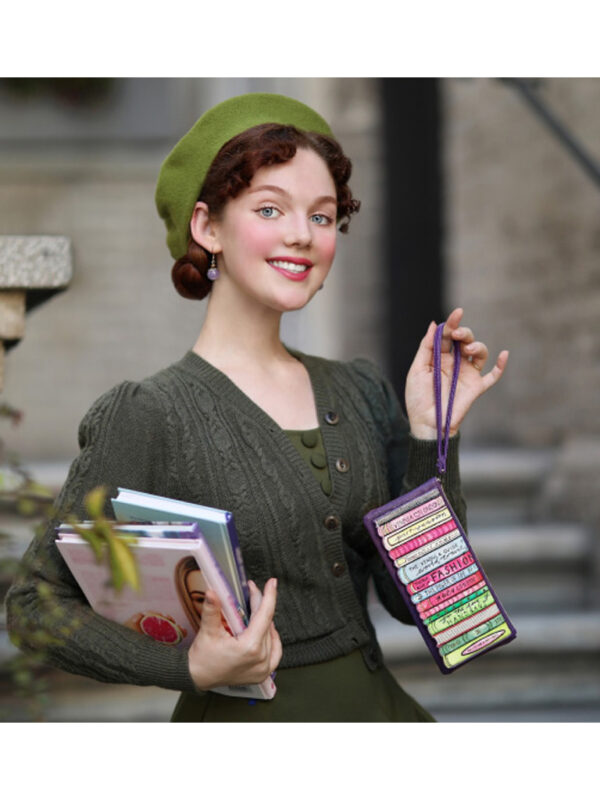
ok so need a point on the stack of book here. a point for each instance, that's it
(181, 549)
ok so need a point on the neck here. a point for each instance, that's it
(238, 332)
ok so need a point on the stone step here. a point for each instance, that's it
(547, 688)
(72, 698)
(499, 484)
(500, 471)
(544, 566)
(549, 672)
(537, 635)
(531, 544)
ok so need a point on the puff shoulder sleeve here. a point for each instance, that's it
(123, 441)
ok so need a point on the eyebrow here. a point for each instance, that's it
(269, 187)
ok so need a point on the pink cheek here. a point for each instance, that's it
(259, 238)
(328, 249)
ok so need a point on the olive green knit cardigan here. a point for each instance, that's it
(190, 433)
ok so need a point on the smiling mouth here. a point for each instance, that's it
(290, 266)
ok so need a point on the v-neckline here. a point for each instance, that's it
(323, 402)
(224, 378)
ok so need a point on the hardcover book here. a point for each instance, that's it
(174, 574)
(216, 525)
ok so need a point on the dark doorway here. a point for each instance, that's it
(413, 220)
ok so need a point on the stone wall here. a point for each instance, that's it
(523, 254)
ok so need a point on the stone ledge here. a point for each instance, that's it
(32, 269)
(35, 262)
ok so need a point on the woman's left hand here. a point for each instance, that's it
(420, 398)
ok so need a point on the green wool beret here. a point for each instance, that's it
(184, 170)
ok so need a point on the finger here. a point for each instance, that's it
(477, 354)
(263, 616)
(452, 323)
(255, 597)
(494, 375)
(424, 354)
(211, 614)
(463, 335)
(276, 649)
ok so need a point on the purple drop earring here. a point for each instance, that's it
(213, 270)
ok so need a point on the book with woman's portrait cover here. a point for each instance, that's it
(216, 525)
(176, 566)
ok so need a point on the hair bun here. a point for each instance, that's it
(189, 273)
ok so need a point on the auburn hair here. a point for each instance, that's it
(232, 171)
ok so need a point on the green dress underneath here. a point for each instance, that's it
(340, 690)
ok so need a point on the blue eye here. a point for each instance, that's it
(321, 219)
(268, 212)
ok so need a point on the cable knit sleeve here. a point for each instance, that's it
(123, 442)
(410, 462)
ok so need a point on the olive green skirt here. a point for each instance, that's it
(341, 690)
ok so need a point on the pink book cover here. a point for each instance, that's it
(174, 575)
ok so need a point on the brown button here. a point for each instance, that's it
(342, 465)
(338, 569)
(331, 522)
(332, 417)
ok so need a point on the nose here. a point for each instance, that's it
(298, 233)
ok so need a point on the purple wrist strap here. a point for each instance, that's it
(437, 386)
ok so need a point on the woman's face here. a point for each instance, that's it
(277, 237)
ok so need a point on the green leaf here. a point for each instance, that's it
(92, 538)
(94, 501)
(123, 564)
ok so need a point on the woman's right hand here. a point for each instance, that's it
(218, 659)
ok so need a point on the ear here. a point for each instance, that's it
(203, 229)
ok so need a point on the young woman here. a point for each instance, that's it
(298, 447)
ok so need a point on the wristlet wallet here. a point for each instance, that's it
(432, 563)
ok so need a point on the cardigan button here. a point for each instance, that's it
(318, 460)
(332, 417)
(309, 438)
(331, 522)
(342, 465)
(338, 569)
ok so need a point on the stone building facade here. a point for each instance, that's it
(523, 254)
(523, 257)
